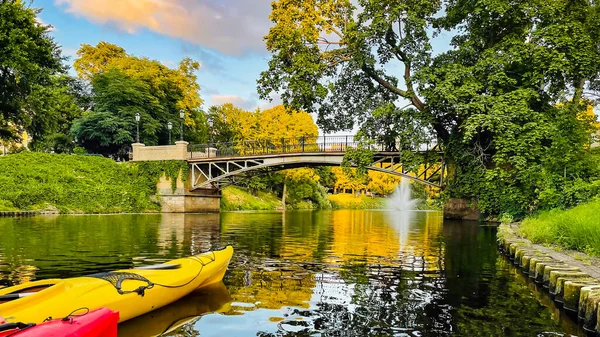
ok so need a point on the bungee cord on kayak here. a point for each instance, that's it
(117, 278)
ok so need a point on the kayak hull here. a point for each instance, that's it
(98, 323)
(155, 288)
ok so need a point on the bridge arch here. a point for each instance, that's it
(213, 172)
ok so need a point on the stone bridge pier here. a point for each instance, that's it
(183, 199)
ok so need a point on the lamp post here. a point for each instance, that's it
(137, 123)
(210, 129)
(170, 127)
(181, 116)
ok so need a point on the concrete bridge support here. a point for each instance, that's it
(184, 200)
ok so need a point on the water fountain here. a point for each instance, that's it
(402, 207)
(400, 199)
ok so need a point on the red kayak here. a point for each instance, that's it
(98, 323)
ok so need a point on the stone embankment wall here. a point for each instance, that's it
(18, 213)
(568, 283)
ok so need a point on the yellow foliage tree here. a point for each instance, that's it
(382, 183)
(97, 59)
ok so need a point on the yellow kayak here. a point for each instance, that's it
(131, 292)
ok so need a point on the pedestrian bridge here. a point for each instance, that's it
(215, 165)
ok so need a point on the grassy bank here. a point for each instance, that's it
(78, 184)
(577, 228)
(349, 201)
(238, 199)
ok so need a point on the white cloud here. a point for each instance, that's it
(170, 64)
(233, 27)
(246, 104)
(275, 100)
(49, 27)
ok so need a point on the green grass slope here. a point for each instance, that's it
(349, 201)
(71, 183)
(577, 228)
(234, 198)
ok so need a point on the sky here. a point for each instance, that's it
(225, 36)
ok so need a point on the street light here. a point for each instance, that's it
(181, 116)
(137, 122)
(210, 128)
(170, 127)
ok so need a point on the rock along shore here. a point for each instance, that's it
(571, 284)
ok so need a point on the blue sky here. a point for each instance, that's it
(225, 36)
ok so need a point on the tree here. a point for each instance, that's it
(29, 58)
(493, 90)
(123, 96)
(104, 133)
(231, 123)
(53, 109)
(110, 128)
(173, 89)
(94, 60)
(227, 123)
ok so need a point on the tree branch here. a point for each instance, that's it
(322, 40)
(334, 30)
(402, 57)
(373, 74)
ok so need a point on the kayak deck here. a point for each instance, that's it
(131, 292)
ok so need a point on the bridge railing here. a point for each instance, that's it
(276, 146)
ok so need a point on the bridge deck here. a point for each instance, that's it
(207, 159)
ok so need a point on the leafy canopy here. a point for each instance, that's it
(29, 58)
(231, 124)
(166, 91)
(490, 96)
(123, 85)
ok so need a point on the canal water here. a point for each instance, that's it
(301, 273)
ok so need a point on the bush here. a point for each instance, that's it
(80, 151)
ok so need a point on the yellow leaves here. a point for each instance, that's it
(590, 117)
(306, 21)
(277, 123)
(383, 183)
(271, 124)
(301, 174)
(93, 60)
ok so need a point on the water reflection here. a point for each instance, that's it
(178, 318)
(338, 273)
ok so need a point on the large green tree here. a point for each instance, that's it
(29, 59)
(173, 89)
(490, 95)
(110, 127)
(54, 107)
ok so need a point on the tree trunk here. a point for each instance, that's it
(284, 193)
